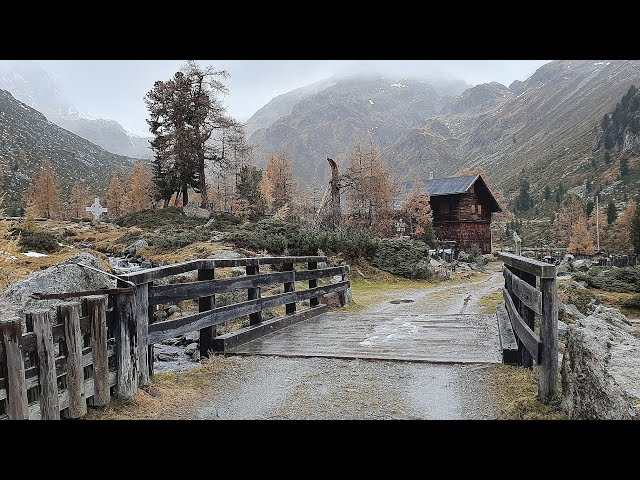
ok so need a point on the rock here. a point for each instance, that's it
(601, 368)
(238, 271)
(171, 341)
(210, 224)
(434, 263)
(562, 330)
(192, 337)
(132, 250)
(226, 255)
(490, 257)
(191, 348)
(67, 276)
(562, 268)
(582, 265)
(160, 315)
(571, 310)
(196, 356)
(336, 278)
(568, 258)
(463, 267)
(173, 310)
(322, 265)
(332, 300)
(166, 356)
(146, 264)
(578, 285)
(192, 210)
(348, 296)
(463, 256)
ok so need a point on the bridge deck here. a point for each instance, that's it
(463, 338)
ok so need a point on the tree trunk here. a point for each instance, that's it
(202, 181)
(185, 196)
(166, 202)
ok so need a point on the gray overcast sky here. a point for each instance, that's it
(115, 89)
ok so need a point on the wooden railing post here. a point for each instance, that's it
(313, 301)
(549, 336)
(290, 308)
(253, 293)
(142, 322)
(204, 304)
(15, 383)
(69, 315)
(95, 307)
(49, 407)
(342, 296)
(128, 372)
(527, 315)
(152, 319)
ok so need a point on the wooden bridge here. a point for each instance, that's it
(102, 345)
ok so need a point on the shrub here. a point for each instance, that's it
(403, 257)
(36, 240)
(612, 279)
(632, 302)
(154, 218)
(171, 239)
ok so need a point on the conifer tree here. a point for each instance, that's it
(43, 198)
(139, 191)
(116, 195)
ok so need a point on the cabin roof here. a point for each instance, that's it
(458, 185)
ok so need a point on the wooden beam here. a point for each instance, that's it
(13, 369)
(529, 339)
(507, 337)
(96, 309)
(69, 315)
(290, 308)
(172, 328)
(547, 387)
(529, 295)
(313, 283)
(204, 305)
(534, 267)
(126, 345)
(142, 324)
(49, 408)
(254, 293)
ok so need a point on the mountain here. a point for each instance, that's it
(27, 138)
(542, 129)
(30, 83)
(327, 123)
(283, 104)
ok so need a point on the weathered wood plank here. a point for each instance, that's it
(244, 335)
(528, 315)
(507, 337)
(303, 275)
(547, 387)
(290, 308)
(13, 369)
(183, 291)
(535, 267)
(126, 345)
(204, 305)
(49, 408)
(529, 339)
(313, 283)
(172, 328)
(254, 293)
(529, 295)
(142, 324)
(96, 310)
(69, 315)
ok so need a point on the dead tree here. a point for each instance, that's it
(329, 212)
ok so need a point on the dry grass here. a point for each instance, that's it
(190, 252)
(516, 390)
(169, 396)
(490, 301)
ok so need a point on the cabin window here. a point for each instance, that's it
(473, 208)
(444, 208)
(479, 209)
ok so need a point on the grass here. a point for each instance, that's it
(516, 391)
(190, 252)
(169, 396)
(490, 301)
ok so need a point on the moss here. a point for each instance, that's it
(583, 299)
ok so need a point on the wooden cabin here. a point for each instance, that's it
(462, 208)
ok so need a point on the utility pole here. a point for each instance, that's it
(597, 225)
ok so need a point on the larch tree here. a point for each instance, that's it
(251, 202)
(581, 238)
(278, 181)
(568, 216)
(79, 200)
(621, 230)
(600, 226)
(418, 209)
(139, 189)
(43, 197)
(116, 194)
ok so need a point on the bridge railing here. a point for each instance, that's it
(97, 345)
(530, 290)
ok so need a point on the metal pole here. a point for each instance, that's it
(597, 225)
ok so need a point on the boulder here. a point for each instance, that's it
(582, 265)
(332, 300)
(192, 210)
(173, 310)
(192, 337)
(132, 250)
(191, 349)
(562, 268)
(601, 367)
(225, 255)
(571, 311)
(166, 356)
(67, 276)
(146, 264)
(434, 263)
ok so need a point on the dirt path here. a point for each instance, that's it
(323, 388)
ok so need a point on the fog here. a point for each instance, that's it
(115, 89)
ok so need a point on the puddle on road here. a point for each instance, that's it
(404, 300)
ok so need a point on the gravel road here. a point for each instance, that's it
(323, 388)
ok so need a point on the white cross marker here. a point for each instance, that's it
(96, 209)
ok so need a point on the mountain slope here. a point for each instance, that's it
(34, 86)
(328, 123)
(27, 138)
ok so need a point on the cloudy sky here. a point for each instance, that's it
(115, 89)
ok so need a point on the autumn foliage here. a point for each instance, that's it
(43, 197)
(278, 182)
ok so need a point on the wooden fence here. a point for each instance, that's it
(104, 344)
(530, 290)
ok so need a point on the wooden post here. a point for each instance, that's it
(314, 301)
(49, 408)
(204, 304)
(528, 316)
(342, 296)
(253, 293)
(142, 322)
(290, 308)
(95, 308)
(69, 314)
(547, 387)
(126, 345)
(11, 336)
(152, 319)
